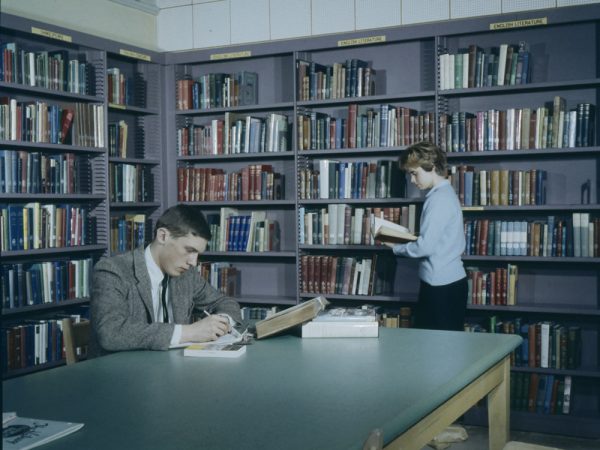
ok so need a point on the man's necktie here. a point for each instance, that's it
(163, 298)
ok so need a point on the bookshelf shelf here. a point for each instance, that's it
(78, 198)
(113, 107)
(51, 148)
(271, 156)
(266, 300)
(249, 255)
(409, 96)
(530, 208)
(148, 161)
(237, 109)
(134, 205)
(587, 372)
(37, 368)
(352, 152)
(44, 252)
(10, 312)
(361, 201)
(544, 153)
(360, 248)
(535, 259)
(565, 310)
(256, 204)
(39, 91)
(361, 298)
(500, 90)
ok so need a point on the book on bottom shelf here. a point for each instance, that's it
(21, 433)
(290, 317)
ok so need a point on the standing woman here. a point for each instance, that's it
(443, 290)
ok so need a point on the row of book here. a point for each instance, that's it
(493, 286)
(56, 69)
(498, 187)
(330, 179)
(234, 231)
(541, 393)
(235, 134)
(218, 90)
(128, 232)
(34, 343)
(364, 127)
(554, 236)
(352, 78)
(38, 121)
(254, 182)
(223, 276)
(327, 274)
(341, 224)
(37, 283)
(506, 65)
(36, 226)
(546, 345)
(23, 172)
(519, 128)
(126, 90)
(117, 139)
(130, 182)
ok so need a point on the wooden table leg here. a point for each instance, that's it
(498, 401)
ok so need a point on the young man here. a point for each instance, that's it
(144, 299)
(443, 290)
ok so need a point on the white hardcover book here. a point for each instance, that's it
(465, 74)
(303, 221)
(502, 63)
(341, 221)
(332, 218)
(544, 344)
(577, 234)
(451, 68)
(572, 128)
(358, 222)
(323, 178)
(341, 329)
(585, 225)
(567, 395)
(591, 231)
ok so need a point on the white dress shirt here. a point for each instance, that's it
(156, 278)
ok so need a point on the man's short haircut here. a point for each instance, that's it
(426, 155)
(181, 220)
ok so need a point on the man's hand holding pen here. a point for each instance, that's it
(210, 328)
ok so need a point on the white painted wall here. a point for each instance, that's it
(217, 23)
(192, 24)
(102, 18)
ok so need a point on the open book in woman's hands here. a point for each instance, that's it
(390, 232)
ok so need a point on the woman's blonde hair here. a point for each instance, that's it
(426, 155)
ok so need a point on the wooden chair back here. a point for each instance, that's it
(75, 335)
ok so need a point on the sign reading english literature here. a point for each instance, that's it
(133, 54)
(51, 34)
(232, 55)
(361, 41)
(519, 23)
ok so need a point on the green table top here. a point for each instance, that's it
(284, 393)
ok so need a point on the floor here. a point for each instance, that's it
(478, 440)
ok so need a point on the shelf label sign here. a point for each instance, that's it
(361, 41)
(473, 208)
(242, 54)
(136, 55)
(51, 34)
(519, 23)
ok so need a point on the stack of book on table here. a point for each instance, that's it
(342, 322)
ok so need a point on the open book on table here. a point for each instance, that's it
(391, 232)
(290, 317)
(21, 433)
